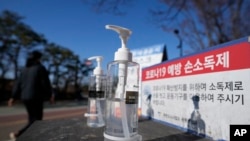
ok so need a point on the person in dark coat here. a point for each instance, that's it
(32, 87)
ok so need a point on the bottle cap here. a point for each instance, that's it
(98, 70)
(123, 53)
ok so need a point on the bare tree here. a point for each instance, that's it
(65, 66)
(201, 23)
(15, 36)
(109, 6)
(204, 23)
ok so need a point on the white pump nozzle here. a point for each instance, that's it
(122, 53)
(98, 70)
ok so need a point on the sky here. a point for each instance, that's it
(72, 24)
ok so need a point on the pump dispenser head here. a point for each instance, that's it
(123, 53)
(98, 70)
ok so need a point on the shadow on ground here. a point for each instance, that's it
(180, 137)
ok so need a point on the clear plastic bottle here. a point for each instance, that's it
(96, 101)
(122, 105)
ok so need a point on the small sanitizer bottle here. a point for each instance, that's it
(122, 93)
(96, 100)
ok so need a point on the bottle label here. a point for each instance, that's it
(131, 97)
(96, 94)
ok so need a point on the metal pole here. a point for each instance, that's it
(176, 31)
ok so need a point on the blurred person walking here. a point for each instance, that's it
(32, 87)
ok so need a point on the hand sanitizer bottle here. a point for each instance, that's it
(96, 100)
(122, 93)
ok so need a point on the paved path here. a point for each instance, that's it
(14, 118)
